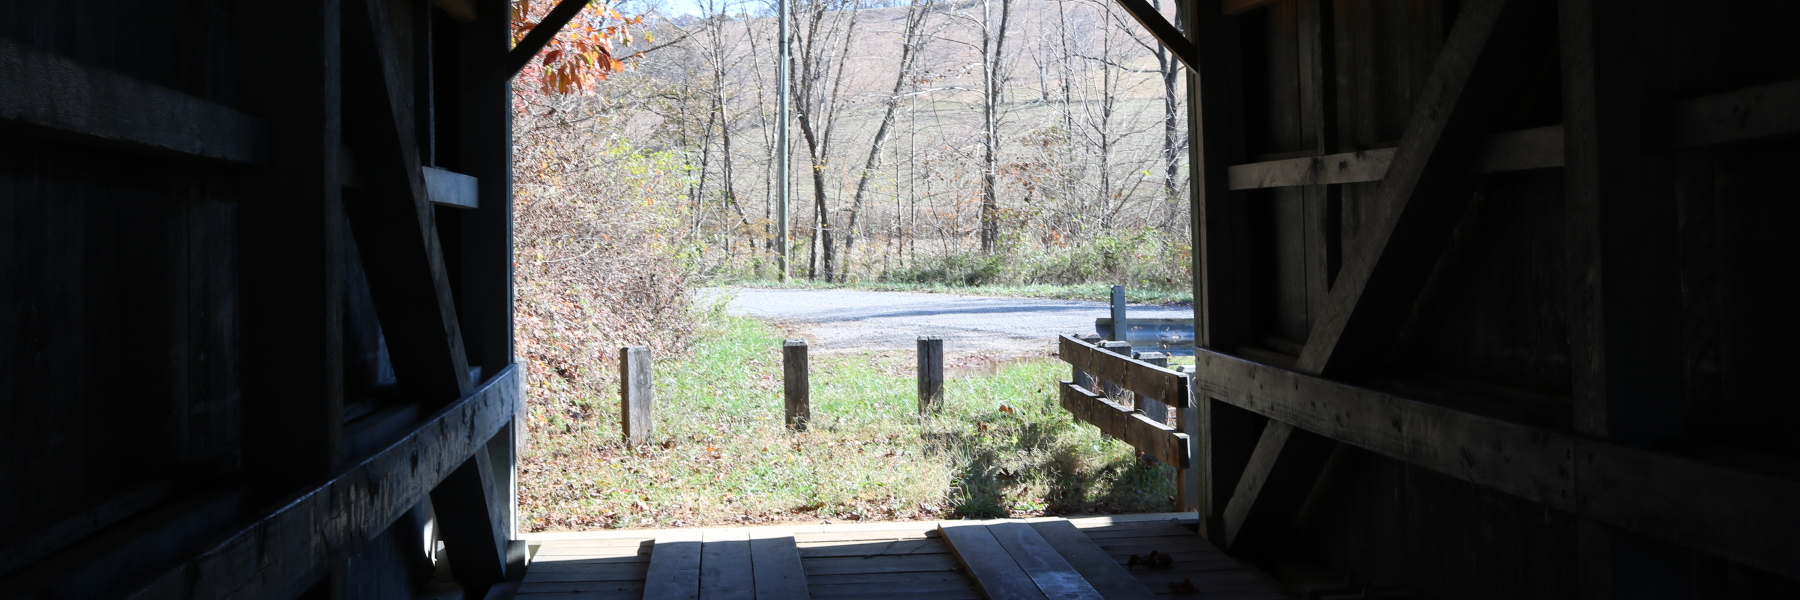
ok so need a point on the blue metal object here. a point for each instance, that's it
(1173, 336)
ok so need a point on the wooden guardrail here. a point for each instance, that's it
(1146, 381)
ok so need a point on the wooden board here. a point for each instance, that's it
(1158, 440)
(1099, 570)
(1052, 573)
(1144, 379)
(725, 565)
(994, 570)
(674, 572)
(776, 564)
(1747, 114)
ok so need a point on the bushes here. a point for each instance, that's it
(1143, 258)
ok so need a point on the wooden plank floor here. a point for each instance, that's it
(906, 560)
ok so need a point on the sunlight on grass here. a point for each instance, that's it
(999, 446)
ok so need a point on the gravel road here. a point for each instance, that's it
(850, 320)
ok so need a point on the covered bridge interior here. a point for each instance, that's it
(1493, 296)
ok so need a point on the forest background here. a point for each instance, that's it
(991, 143)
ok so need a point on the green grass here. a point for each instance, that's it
(1000, 446)
(1094, 292)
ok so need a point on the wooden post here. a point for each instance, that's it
(1080, 377)
(1155, 409)
(931, 373)
(1189, 481)
(1120, 348)
(797, 390)
(1120, 330)
(637, 394)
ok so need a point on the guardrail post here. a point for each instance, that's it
(931, 373)
(1121, 348)
(1121, 330)
(797, 390)
(1080, 377)
(637, 394)
(1154, 409)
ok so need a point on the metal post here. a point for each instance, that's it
(781, 70)
(1120, 331)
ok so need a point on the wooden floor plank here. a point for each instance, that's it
(577, 564)
(635, 588)
(813, 579)
(1053, 574)
(995, 572)
(584, 595)
(904, 595)
(1110, 579)
(674, 572)
(777, 568)
(616, 572)
(725, 565)
(877, 548)
(878, 564)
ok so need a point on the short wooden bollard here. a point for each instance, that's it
(637, 395)
(797, 391)
(1155, 409)
(931, 373)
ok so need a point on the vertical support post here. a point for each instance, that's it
(1120, 348)
(931, 373)
(1625, 346)
(1219, 220)
(1155, 409)
(637, 395)
(1080, 377)
(292, 319)
(1121, 330)
(797, 390)
(1188, 481)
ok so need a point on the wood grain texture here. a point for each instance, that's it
(988, 563)
(775, 560)
(1748, 114)
(931, 373)
(284, 551)
(1100, 571)
(1158, 440)
(674, 566)
(726, 565)
(1052, 573)
(449, 188)
(637, 395)
(1142, 378)
(796, 384)
(42, 90)
(1427, 187)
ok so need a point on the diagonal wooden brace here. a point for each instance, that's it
(393, 219)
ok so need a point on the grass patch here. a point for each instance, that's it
(999, 447)
(1092, 292)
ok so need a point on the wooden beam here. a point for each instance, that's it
(448, 188)
(40, 91)
(1093, 563)
(1748, 114)
(1048, 569)
(775, 564)
(1738, 514)
(461, 10)
(1158, 440)
(1281, 473)
(393, 219)
(293, 243)
(1536, 148)
(1162, 30)
(1162, 384)
(674, 572)
(478, 138)
(542, 33)
(282, 552)
(1238, 7)
(471, 524)
(1472, 86)
(995, 572)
